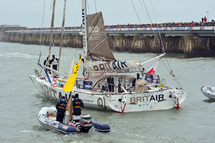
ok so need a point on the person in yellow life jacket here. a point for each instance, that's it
(61, 109)
(77, 105)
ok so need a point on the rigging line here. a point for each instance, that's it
(121, 47)
(97, 45)
(95, 5)
(170, 71)
(162, 44)
(153, 11)
(41, 33)
(63, 61)
(45, 67)
(42, 23)
(88, 7)
(51, 4)
(135, 11)
(62, 33)
(166, 66)
(152, 27)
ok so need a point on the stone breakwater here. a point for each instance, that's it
(191, 45)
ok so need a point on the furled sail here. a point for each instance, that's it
(113, 66)
(97, 43)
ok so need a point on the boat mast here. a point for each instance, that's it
(84, 26)
(62, 31)
(51, 34)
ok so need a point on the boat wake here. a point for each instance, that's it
(26, 131)
(18, 55)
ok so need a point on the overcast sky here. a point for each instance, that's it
(29, 13)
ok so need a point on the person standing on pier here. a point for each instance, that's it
(202, 19)
(205, 19)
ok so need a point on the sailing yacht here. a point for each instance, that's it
(107, 82)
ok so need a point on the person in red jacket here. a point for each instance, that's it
(205, 19)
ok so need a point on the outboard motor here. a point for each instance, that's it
(85, 123)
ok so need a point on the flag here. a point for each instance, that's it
(172, 73)
(53, 81)
(151, 71)
(71, 81)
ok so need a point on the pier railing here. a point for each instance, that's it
(135, 30)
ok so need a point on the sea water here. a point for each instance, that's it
(20, 102)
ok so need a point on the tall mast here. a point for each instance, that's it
(51, 34)
(62, 31)
(84, 26)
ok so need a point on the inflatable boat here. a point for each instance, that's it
(82, 123)
(208, 91)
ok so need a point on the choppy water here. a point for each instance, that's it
(20, 103)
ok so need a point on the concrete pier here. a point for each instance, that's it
(196, 41)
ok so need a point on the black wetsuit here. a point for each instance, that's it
(77, 106)
(61, 108)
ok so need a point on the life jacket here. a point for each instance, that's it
(61, 106)
(77, 104)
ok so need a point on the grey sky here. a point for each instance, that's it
(29, 13)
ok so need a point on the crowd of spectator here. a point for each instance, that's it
(203, 22)
(168, 24)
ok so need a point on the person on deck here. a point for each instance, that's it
(134, 81)
(47, 63)
(77, 105)
(61, 109)
(54, 62)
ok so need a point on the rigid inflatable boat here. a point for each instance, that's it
(82, 123)
(208, 91)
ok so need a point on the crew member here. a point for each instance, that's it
(47, 63)
(77, 105)
(54, 62)
(61, 109)
(134, 81)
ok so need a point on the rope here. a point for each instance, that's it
(162, 46)
(95, 5)
(159, 38)
(135, 12)
(41, 33)
(42, 24)
(171, 72)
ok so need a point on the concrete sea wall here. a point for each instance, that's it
(191, 45)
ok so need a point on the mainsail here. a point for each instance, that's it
(99, 57)
(97, 42)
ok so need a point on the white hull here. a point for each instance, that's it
(154, 99)
(208, 91)
(51, 123)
